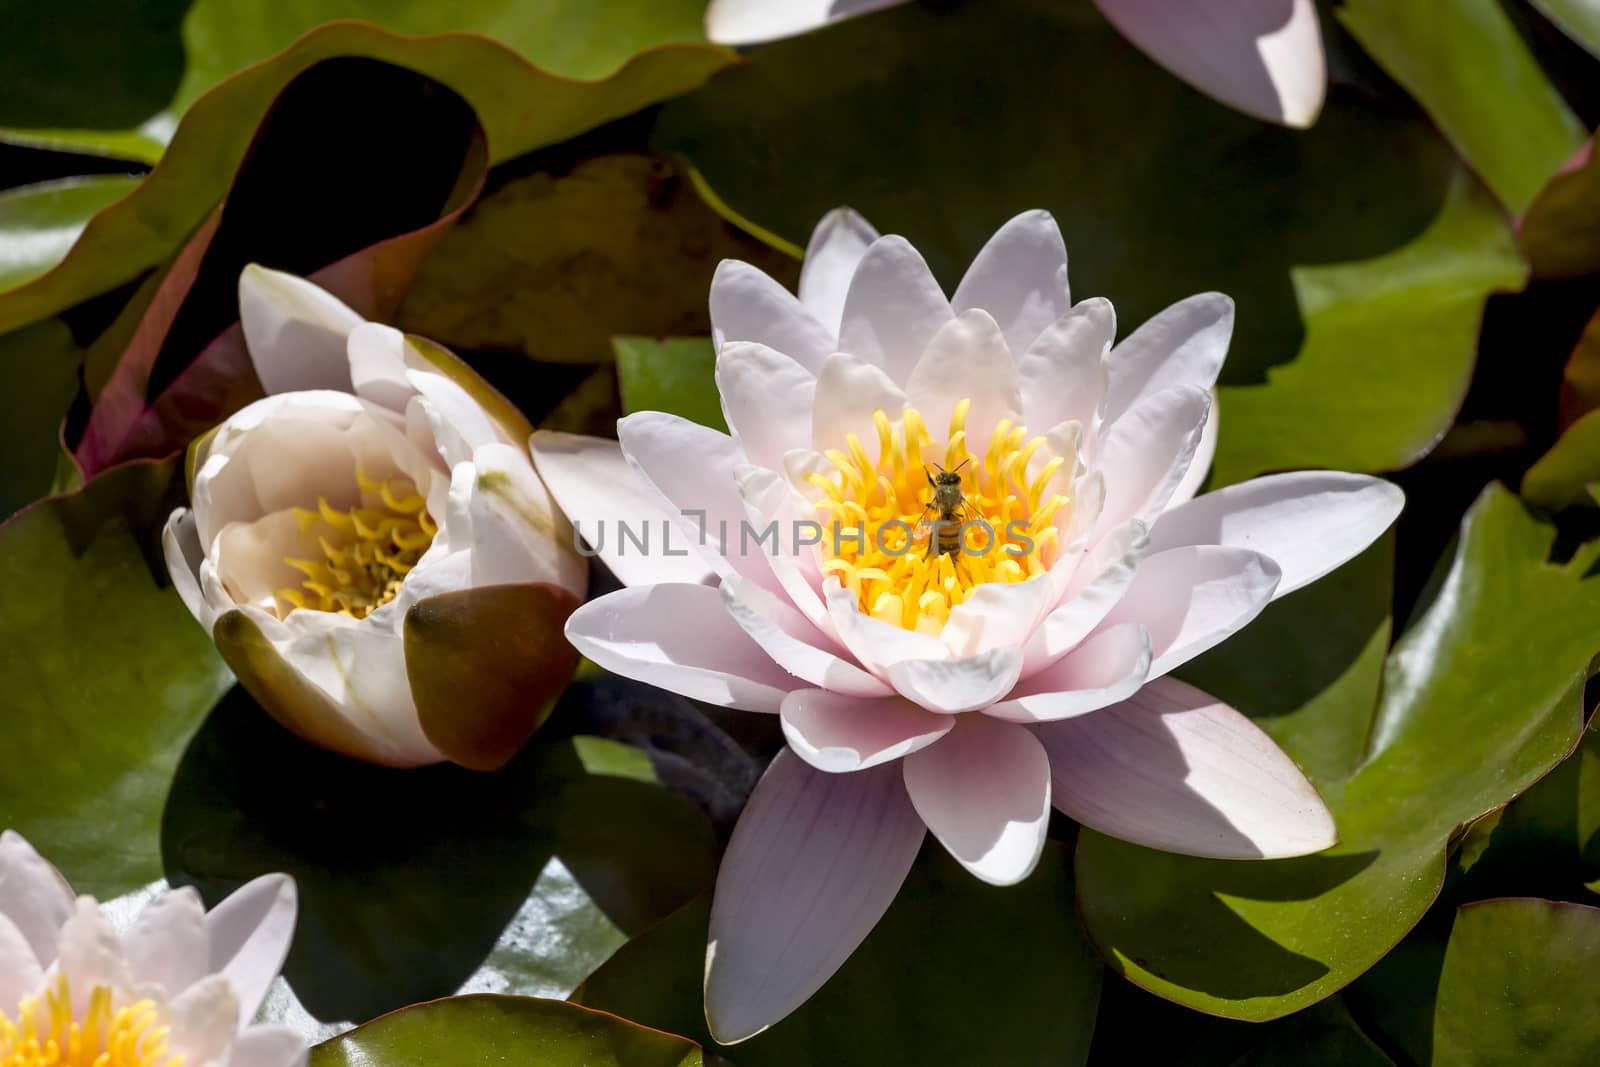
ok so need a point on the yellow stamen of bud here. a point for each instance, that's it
(366, 551)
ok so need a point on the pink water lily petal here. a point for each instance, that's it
(756, 21)
(295, 331)
(746, 305)
(204, 1019)
(998, 615)
(794, 643)
(876, 645)
(837, 245)
(769, 499)
(20, 973)
(1093, 590)
(593, 484)
(1176, 769)
(1183, 345)
(682, 639)
(1062, 372)
(249, 934)
(33, 895)
(813, 864)
(766, 398)
(984, 791)
(1262, 57)
(1146, 452)
(91, 953)
(960, 683)
(167, 944)
(849, 390)
(1200, 465)
(893, 308)
(1191, 599)
(842, 734)
(966, 360)
(1109, 666)
(1308, 522)
(1019, 277)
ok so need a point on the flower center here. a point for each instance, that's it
(367, 550)
(911, 542)
(46, 1035)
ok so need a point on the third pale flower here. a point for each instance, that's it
(964, 685)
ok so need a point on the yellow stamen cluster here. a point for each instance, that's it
(366, 551)
(45, 1034)
(875, 503)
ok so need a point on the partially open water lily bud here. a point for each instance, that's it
(369, 545)
(177, 988)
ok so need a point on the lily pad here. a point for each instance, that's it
(522, 107)
(957, 972)
(674, 374)
(555, 263)
(39, 223)
(1564, 475)
(1466, 721)
(108, 677)
(137, 71)
(421, 884)
(1518, 985)
(40, 366)
(467, 1031)
(1465, 63)
(1360, 252)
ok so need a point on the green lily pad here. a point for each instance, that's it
(1578, 19)
(1518, 985)
(108, 674)
(1466, 721)
(522, 107)
(39, 223)
(1467, 66)
(421, 884)
(132, 79)
(40, 366)
(956, 972)
(674, 374)
(1563, 475)
(555, 263)
(469, 1031)
(1360, 252)
(1560, 231)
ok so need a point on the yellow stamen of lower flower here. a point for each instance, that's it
(44, 1033)
(366, 550)
(885, 549)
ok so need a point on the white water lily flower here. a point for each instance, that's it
(1261, 57)
(925, 681)
(178, 988)
(370, 546)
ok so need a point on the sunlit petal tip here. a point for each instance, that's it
(295, 331)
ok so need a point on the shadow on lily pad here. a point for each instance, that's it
(411, 880)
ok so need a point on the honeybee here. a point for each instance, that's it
(950, 507)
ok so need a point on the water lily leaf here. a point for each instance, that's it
(108, 677)
(522, 107)
(135, 74)
(1360, 287)
(427, 883)
(1578, 19)
(673, 374)
(1564, 475)
(957, 972)
(40, 366)
(175, 363)
(1560, 231)
(1518, 985)
(1466, 721)
(1580, 379)
(39, 223)
(464, 1031)
(1465, 63)
(555, 263)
